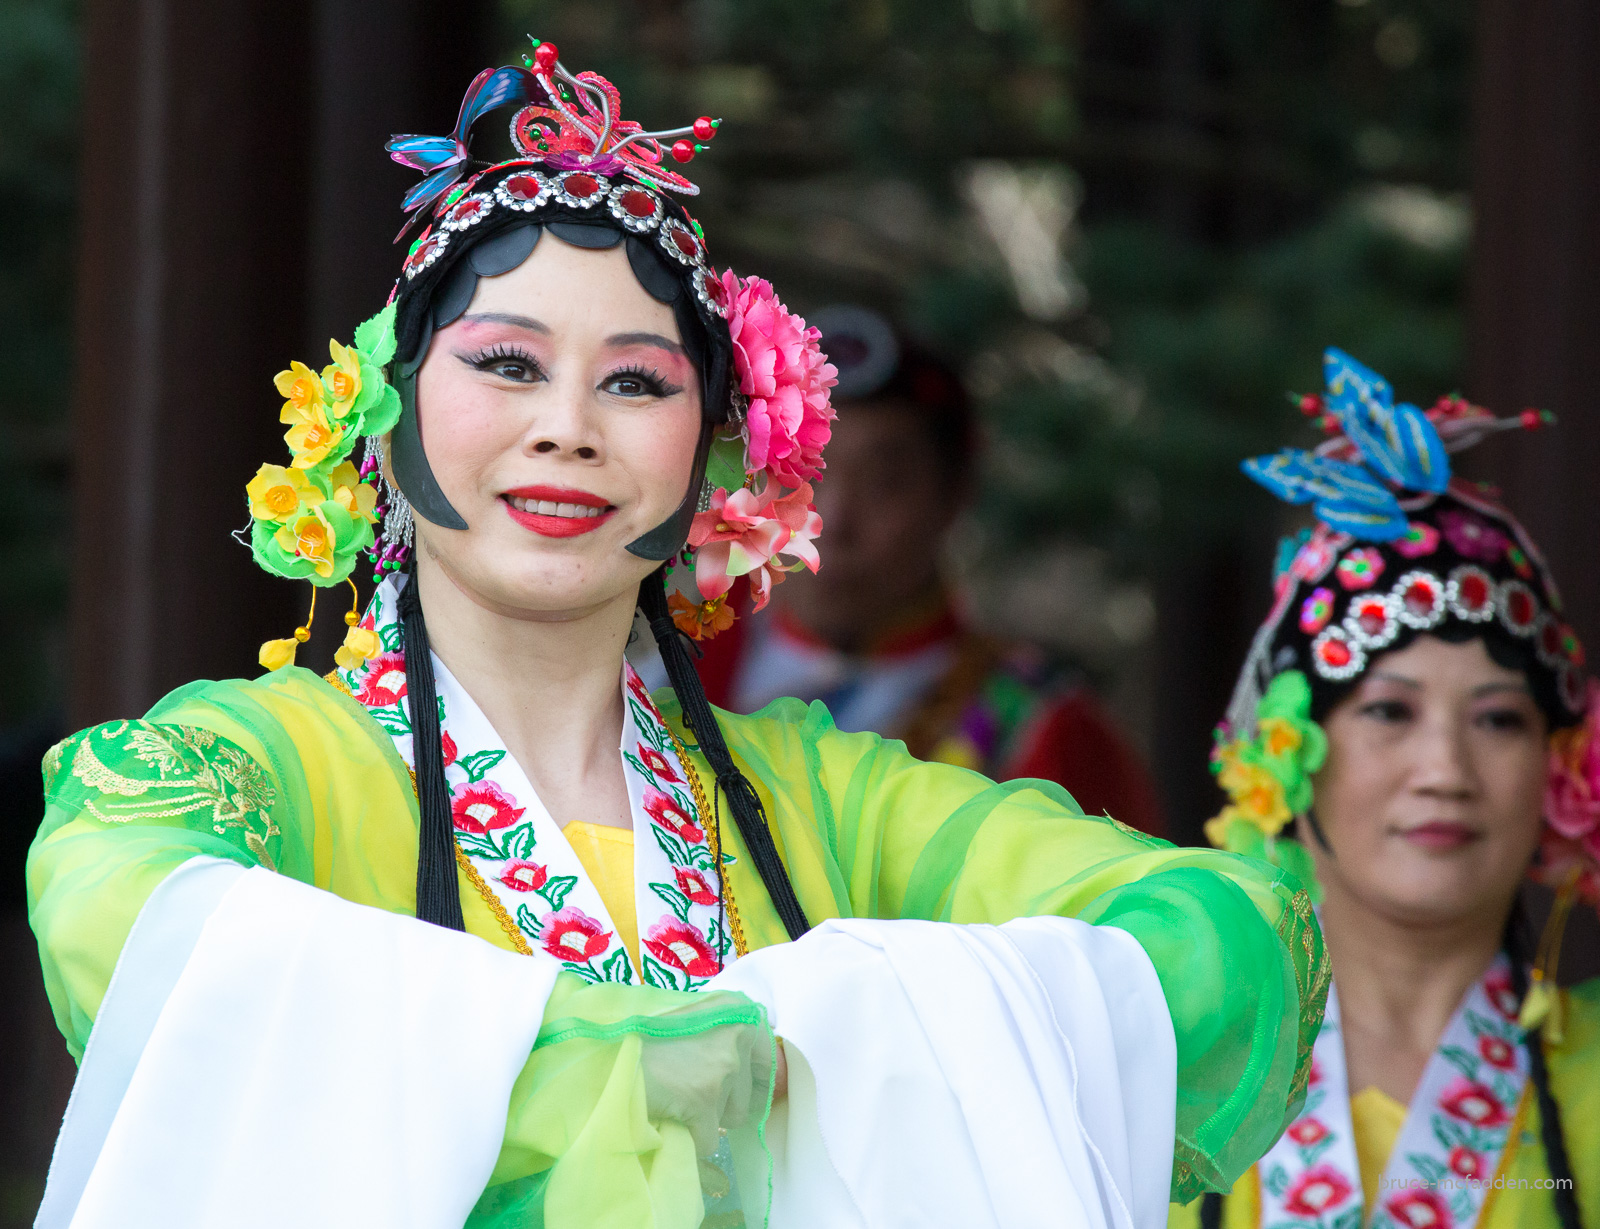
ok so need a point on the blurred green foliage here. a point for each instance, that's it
(39, 57)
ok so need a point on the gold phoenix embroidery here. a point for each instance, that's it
(195, 771)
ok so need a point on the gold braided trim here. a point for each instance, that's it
(338, 684)
(714, 833)
(507, 922)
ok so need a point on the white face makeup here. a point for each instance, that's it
(1432, 795)
(560, 416)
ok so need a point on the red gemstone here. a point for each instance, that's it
(1531, 420)
(704, 128)
(581, 185)
(1373, 617)
(684, 241)
(1473, 591)
(1336, 653)
(545, 57)
(683, 150)
(716, 291)
(1420, 597)
(638, 204)
(1550, 638)
(466, 211)
(523, 187)
(1520, 608)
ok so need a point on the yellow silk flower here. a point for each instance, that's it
(354, 496)
(301, 388)
(276, 493)
(342, 378)
(310, 537)
(311, 437)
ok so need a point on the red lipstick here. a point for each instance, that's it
(1440, 836)
(557, 511)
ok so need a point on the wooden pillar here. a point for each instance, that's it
(1534, 326)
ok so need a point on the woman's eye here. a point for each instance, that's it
(509, 365)
(1390, 712)
(1504, 720)
(638, 384)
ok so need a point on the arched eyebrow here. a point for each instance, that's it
(647, 339)
(1485, 689)
(520, 322)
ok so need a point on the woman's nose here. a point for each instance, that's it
(566, 425)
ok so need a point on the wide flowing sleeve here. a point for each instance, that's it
(629, 1091)
(869, 831)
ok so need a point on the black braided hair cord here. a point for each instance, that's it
(438, 892)
(748, 812)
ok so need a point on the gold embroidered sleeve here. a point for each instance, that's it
(140, 772)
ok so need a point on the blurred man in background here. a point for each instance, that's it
(875, 635)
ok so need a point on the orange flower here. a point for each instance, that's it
(701, 620)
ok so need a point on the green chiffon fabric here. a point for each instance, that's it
(630, 1089)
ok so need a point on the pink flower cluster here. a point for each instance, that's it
(1571, 839)
(759, 536)
(786, 376)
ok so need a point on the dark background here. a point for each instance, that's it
(193, 193)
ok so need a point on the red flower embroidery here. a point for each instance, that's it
(1465, 1163)
(1498, 1052)
(385, 680)
(524, 876)
(682, 947)
(657, 763)
(1497, 985)
(695, 886)
(1307, 1132)
(484, 807)
(667, 813)
(1474, 1103)
(640, 691)
(1315, 1078)
(572, 934)
(449, 745)
(1420, 1209)
(1311, 1194)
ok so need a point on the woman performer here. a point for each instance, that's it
(1415, 677)
(559, 395)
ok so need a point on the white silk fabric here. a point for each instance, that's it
(991, 1077)
(269, 1054)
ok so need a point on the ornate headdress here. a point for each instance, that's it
(1400, 548)
(596, 180)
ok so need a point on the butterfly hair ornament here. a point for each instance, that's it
(1401, 547)
(593, 179)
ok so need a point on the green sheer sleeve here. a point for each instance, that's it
(868, 831)
(629, 1089)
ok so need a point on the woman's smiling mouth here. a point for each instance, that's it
(557, 512)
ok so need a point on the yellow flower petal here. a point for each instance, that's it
(310, 537)
(300, 387)
(276, 654)
(276, 493)
(342, 378)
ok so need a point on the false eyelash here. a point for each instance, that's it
(502, 352)
(653, 380)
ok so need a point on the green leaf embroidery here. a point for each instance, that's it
(1310, 1155)
(584, 971)
(1350, 1218)
(480, 846)
(521, 841)
(479, 763)
(1462, 1060)
(1276, 1180)
(526, 922)
(617, 968)
(390, 636)
(1461, 1205)
(676, 900)
(556, 888)
(1429, 1167)
(676, 851)
(393, 720)
(658, 975)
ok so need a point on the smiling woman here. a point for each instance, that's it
(631, 895)
(1417, 707)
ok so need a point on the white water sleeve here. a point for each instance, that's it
(269, 1054)
(993, 1077)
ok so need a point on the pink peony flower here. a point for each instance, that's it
(745, 534)
(1572, 790)
(786, 377)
